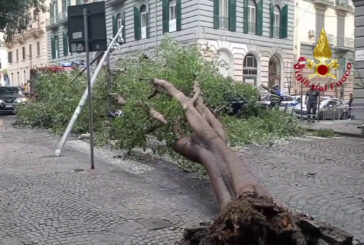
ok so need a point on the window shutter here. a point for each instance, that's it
(259, 27)
(216, 14)
(53, 47)
(284, 22)
(232, 15)
(148, 27)
(124, 27)
(65, 44)
(246, 16)
(137, 24)
(114, 25)
(165, 16)
(179, 14)
(271, 20)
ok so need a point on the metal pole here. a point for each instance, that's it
(83, 99)
(301, 101)
(108, 85)
(90, 109)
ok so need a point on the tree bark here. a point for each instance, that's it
(249, 215)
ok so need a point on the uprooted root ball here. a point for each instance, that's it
(249, 220)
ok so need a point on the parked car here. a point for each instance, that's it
(287, 103)
(9, 98)
(329, 109)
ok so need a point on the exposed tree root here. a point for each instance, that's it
(250, 220)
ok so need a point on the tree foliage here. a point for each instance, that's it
(15, 15)
(181, 66)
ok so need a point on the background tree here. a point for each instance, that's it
(15, 15)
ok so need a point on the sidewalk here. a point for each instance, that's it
(347, 127)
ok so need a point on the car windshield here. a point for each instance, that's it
(9, 90)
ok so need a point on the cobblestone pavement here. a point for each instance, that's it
(320, 177)
(46, 200)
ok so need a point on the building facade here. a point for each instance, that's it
(359, 60)
(253, 38)
(27, 49)
(337, 18)
(4, 80)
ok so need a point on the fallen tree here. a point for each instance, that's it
(180, 98)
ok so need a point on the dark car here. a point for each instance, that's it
(9, 98)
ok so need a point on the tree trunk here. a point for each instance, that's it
(249, 215)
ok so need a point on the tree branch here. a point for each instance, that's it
(196, 92)
(211, 119)
(157, 116)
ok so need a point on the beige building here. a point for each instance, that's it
(28, 49)
(337, 18)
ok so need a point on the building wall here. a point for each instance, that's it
(19, 69)
(359, 63)
(197, 28)
(3, 61)
(338, 23)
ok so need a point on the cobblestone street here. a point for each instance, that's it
(47, 200)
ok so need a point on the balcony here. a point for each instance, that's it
(115, 2)
(343, 5)
(324, 2)
(341, 43)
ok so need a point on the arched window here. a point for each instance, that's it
(224, 63)
(250, 69)
(172, 16)
(144, 21)
(276, 21)
(252, 16)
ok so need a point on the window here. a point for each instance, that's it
(252, 17)
(17, 55)
(144, 21)
(65, 4)
(10, 57)
(55, 11)
(35, 15)
(38, 48)
(225, 14)
(172, 16)
(30, 51)
(55, 47)
(25, 76)
(23, 53)
(65, 44)
(250, 69)
(79, 1)
(118, 21)
(277, 22)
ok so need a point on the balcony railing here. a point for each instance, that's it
(340, 42)
(326, 2)
(223, 23)
(276, 32)
(343, 4)
(252, 27)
